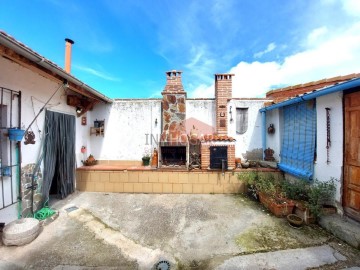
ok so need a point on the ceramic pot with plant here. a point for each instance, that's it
(146, 160)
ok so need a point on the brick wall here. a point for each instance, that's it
(231, 156)
(205, 156)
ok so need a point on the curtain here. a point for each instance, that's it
(298, 144)
(59, 154)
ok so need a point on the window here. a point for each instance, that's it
(299, 139)
(241, 120)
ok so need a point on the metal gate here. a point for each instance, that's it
(10, 151)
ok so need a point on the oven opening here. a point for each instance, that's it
(173, 155)
(218, 157)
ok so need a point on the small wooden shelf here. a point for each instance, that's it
(97, 131)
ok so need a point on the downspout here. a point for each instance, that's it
(263, 132)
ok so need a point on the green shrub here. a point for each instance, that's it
(296, 190)
(321, 193)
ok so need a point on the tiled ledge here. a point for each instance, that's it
(157, 181)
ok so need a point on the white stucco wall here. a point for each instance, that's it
(202, 114)
(251, 139)
(126, 124)
(128, 121)
(273, 141)
(36, 90)
(322, 170)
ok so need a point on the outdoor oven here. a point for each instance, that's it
(173, 155)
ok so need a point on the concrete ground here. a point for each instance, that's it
(138, 231)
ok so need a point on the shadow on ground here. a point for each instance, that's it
(134, 231)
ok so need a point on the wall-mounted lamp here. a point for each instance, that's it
(271, 129)
(78, 110)
(156, 122)
(231, 119)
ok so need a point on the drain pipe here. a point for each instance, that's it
(263, 132)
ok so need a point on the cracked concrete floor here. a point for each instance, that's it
(134, 231)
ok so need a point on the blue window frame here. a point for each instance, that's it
(299, 139)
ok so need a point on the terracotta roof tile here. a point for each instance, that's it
(215, 137)
(282, 94)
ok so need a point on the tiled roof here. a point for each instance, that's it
(25, 51)
(282, 94)
(213, 138)
(29, 49)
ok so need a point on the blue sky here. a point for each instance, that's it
(123, 48)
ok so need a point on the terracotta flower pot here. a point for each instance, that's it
(294, 220)
(280, 207)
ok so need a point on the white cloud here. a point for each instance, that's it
(97, 73)
(352, 7)
(268, 49)
(203, 91)
(316, 35)
(331, 53)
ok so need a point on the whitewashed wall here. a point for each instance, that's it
(202, 114)
(251, 139)
(128, 121)
(130, 127)
(36, 90)
(324, 171)
(273, 141)
(126, 124)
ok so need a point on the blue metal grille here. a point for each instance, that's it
(299, 139)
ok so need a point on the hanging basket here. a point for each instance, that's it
(16, 134)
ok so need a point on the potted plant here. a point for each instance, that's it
(268, 189)
(251, 179)
(311, 198)
(146, 159)
(321, 194)
(298, 191)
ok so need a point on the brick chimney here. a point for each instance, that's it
(223, 92)
(68, 46)
(173, 83)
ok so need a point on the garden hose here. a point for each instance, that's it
(44, 213)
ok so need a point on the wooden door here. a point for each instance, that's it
(351, 198)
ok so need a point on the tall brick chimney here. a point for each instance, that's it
(223, 92)
(68, 47)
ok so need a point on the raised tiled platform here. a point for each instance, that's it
(140, 179)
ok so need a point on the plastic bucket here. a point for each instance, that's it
(15, 134)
